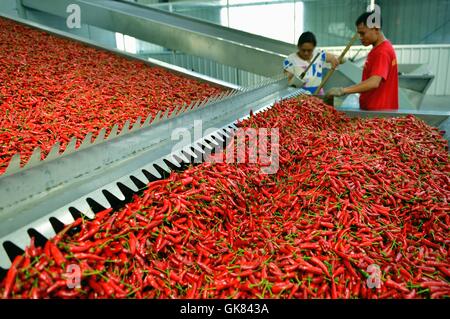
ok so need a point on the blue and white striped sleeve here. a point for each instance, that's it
(287, 64)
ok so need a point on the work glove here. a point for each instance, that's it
(335, 92)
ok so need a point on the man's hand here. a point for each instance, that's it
(335, 92)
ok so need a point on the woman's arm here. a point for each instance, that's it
(289, 75)
(332, 59)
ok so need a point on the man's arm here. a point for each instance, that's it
(380, 72)
(370, 84)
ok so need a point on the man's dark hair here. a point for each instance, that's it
(363, 19)
(307, 37)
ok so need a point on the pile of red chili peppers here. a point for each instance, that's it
(53, 89)
(349, 195)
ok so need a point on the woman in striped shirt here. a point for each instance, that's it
(296, 63)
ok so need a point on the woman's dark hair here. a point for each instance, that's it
(307, 37)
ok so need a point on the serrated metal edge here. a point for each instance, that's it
(87, 141)
(162, 164)
(99, 198)
(54, 152)
(71, 146)
(114, 190)
(166, 114)
(126, 181)
(151, 170)
(147, 121)
(100, 137)
(14, 165)
(140, 176)
(125, 128)
(170, 158)
(35, 158)
(137, 124)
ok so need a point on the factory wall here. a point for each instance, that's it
(209, 67)
(417, 21)
(8, 7)
(332, 21)
(405, 21)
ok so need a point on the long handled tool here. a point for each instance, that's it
(309, 66)
(341, 57)
(298, 80)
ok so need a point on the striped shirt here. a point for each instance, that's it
(296, 65)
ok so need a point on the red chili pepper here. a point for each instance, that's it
(56, 285)
(154, 224)
(96, 286)
(47, 246)
(67, 294)
(81, 248)
(160, 243)
(191, 293)
(280, 286)
(186, 181)
(319, 263)
(102, 214)
(88, 256)
(430, 243)
(34, 294)
(57, 255)
(32, 251)
(11, 276)
(44, 276)
(90, 233)
(397, 286)
(205, 267)
(132, 244)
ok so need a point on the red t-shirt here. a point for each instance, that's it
(381, 61)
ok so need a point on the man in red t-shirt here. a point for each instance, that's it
(379, 86)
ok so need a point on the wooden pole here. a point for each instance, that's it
(309, 66)
(341, 57)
